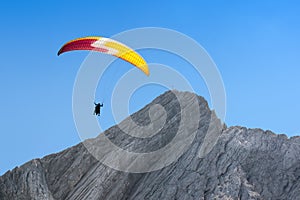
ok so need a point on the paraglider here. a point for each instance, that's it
(97, 108)
(107, 46)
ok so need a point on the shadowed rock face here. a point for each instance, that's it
(241, 164)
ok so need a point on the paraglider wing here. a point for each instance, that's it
(107, 46)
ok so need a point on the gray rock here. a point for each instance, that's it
(220, 162)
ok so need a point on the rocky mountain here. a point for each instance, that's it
(206, 160)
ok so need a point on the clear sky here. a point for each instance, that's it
(255, 44)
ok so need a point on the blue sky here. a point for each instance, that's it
(255, 45)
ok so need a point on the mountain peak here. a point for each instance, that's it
(173, 148)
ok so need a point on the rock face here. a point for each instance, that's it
(220, 162)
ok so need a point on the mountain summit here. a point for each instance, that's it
(173, 148)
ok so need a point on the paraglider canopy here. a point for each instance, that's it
(107, 46)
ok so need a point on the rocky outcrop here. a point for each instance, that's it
(219, 163)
